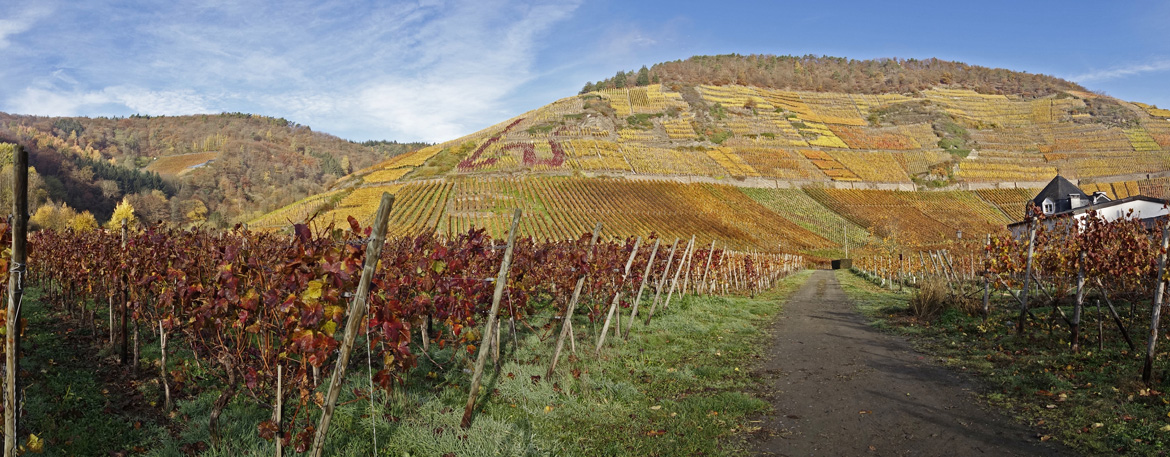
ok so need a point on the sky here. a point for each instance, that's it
(434, 70)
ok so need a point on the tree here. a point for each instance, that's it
(83, 222)
(124, 211)
(196, 211)
(643, 76)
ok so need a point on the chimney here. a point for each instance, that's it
(1075, 201)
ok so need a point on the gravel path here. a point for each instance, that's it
(841, 388)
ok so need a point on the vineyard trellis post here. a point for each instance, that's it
(123, 351)
(16, 273)
(986, 280)
(1027, 278)
(353, 323)
(1156, 312)
(681, 264)
(497, 295)
(1080, 301)
(706, 268)
(662, 280)
(617, 296)
(642, 287)
(567, 325)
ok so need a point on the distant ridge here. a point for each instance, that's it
(838, 74)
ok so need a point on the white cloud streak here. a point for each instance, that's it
(1158, 65)
(426, 70)
(21, 21)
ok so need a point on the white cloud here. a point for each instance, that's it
(51, 102)
(21, 21)
(430, 70)
(1154, 66)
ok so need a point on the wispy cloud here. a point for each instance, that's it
(429, 70)
(1153, 66)
(21, 20)
(52, 102)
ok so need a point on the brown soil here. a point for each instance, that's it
(839, 387)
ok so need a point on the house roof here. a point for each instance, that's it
(1057, 189)
(1104, 205)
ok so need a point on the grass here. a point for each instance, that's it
(680, 386)
(1092, 400)
(76, 399)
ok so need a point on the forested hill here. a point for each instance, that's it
(215, 169)
(838, 74)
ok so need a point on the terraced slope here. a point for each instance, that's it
(669, 158)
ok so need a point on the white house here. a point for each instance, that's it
(1063, 198)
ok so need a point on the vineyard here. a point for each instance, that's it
(263, 314)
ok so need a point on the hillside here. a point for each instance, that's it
(202, 169)
(771, 168)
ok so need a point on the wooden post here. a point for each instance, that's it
(162, 346)
(567, 325)
(642, 288)
(1156, 311)
(1027, 276)
(706, 268)
(124, 351)
(15, 294)
(356, 313)
(662, 280)
(277, 412)
(674, 282)
(1076, 319)
(501, 281)
(1116, 318)
(617, 296)
(986, 280)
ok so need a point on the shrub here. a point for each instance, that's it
(930, 300)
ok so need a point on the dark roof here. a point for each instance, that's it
(1057, 189)
(1104, 205)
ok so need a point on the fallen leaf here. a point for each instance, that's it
(656, 407)
(35, 444)
(865, 411)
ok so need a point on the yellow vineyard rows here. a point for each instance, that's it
(978, 170)
(1012, 202)
(872, 166)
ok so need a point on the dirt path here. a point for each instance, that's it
(840, 388)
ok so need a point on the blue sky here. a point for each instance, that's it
(433, 70)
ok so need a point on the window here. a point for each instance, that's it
(1049, 206)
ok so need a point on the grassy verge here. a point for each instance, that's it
(1092, 400)
(78, 401)
(676, 387)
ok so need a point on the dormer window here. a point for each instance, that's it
(1049, 206)
(1100, 197)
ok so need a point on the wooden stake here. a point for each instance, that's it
(1027, 275)
(15, 295)
(674, 282)
(1080, 301)
(501, 282)
(613, 305)
(356, 313)
(162, 346)
(277, 412)
(642, 288)
(1156, 311)
(662, 280)
(567, 325)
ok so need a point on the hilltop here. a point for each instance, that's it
(678, 149)
(214, 169)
